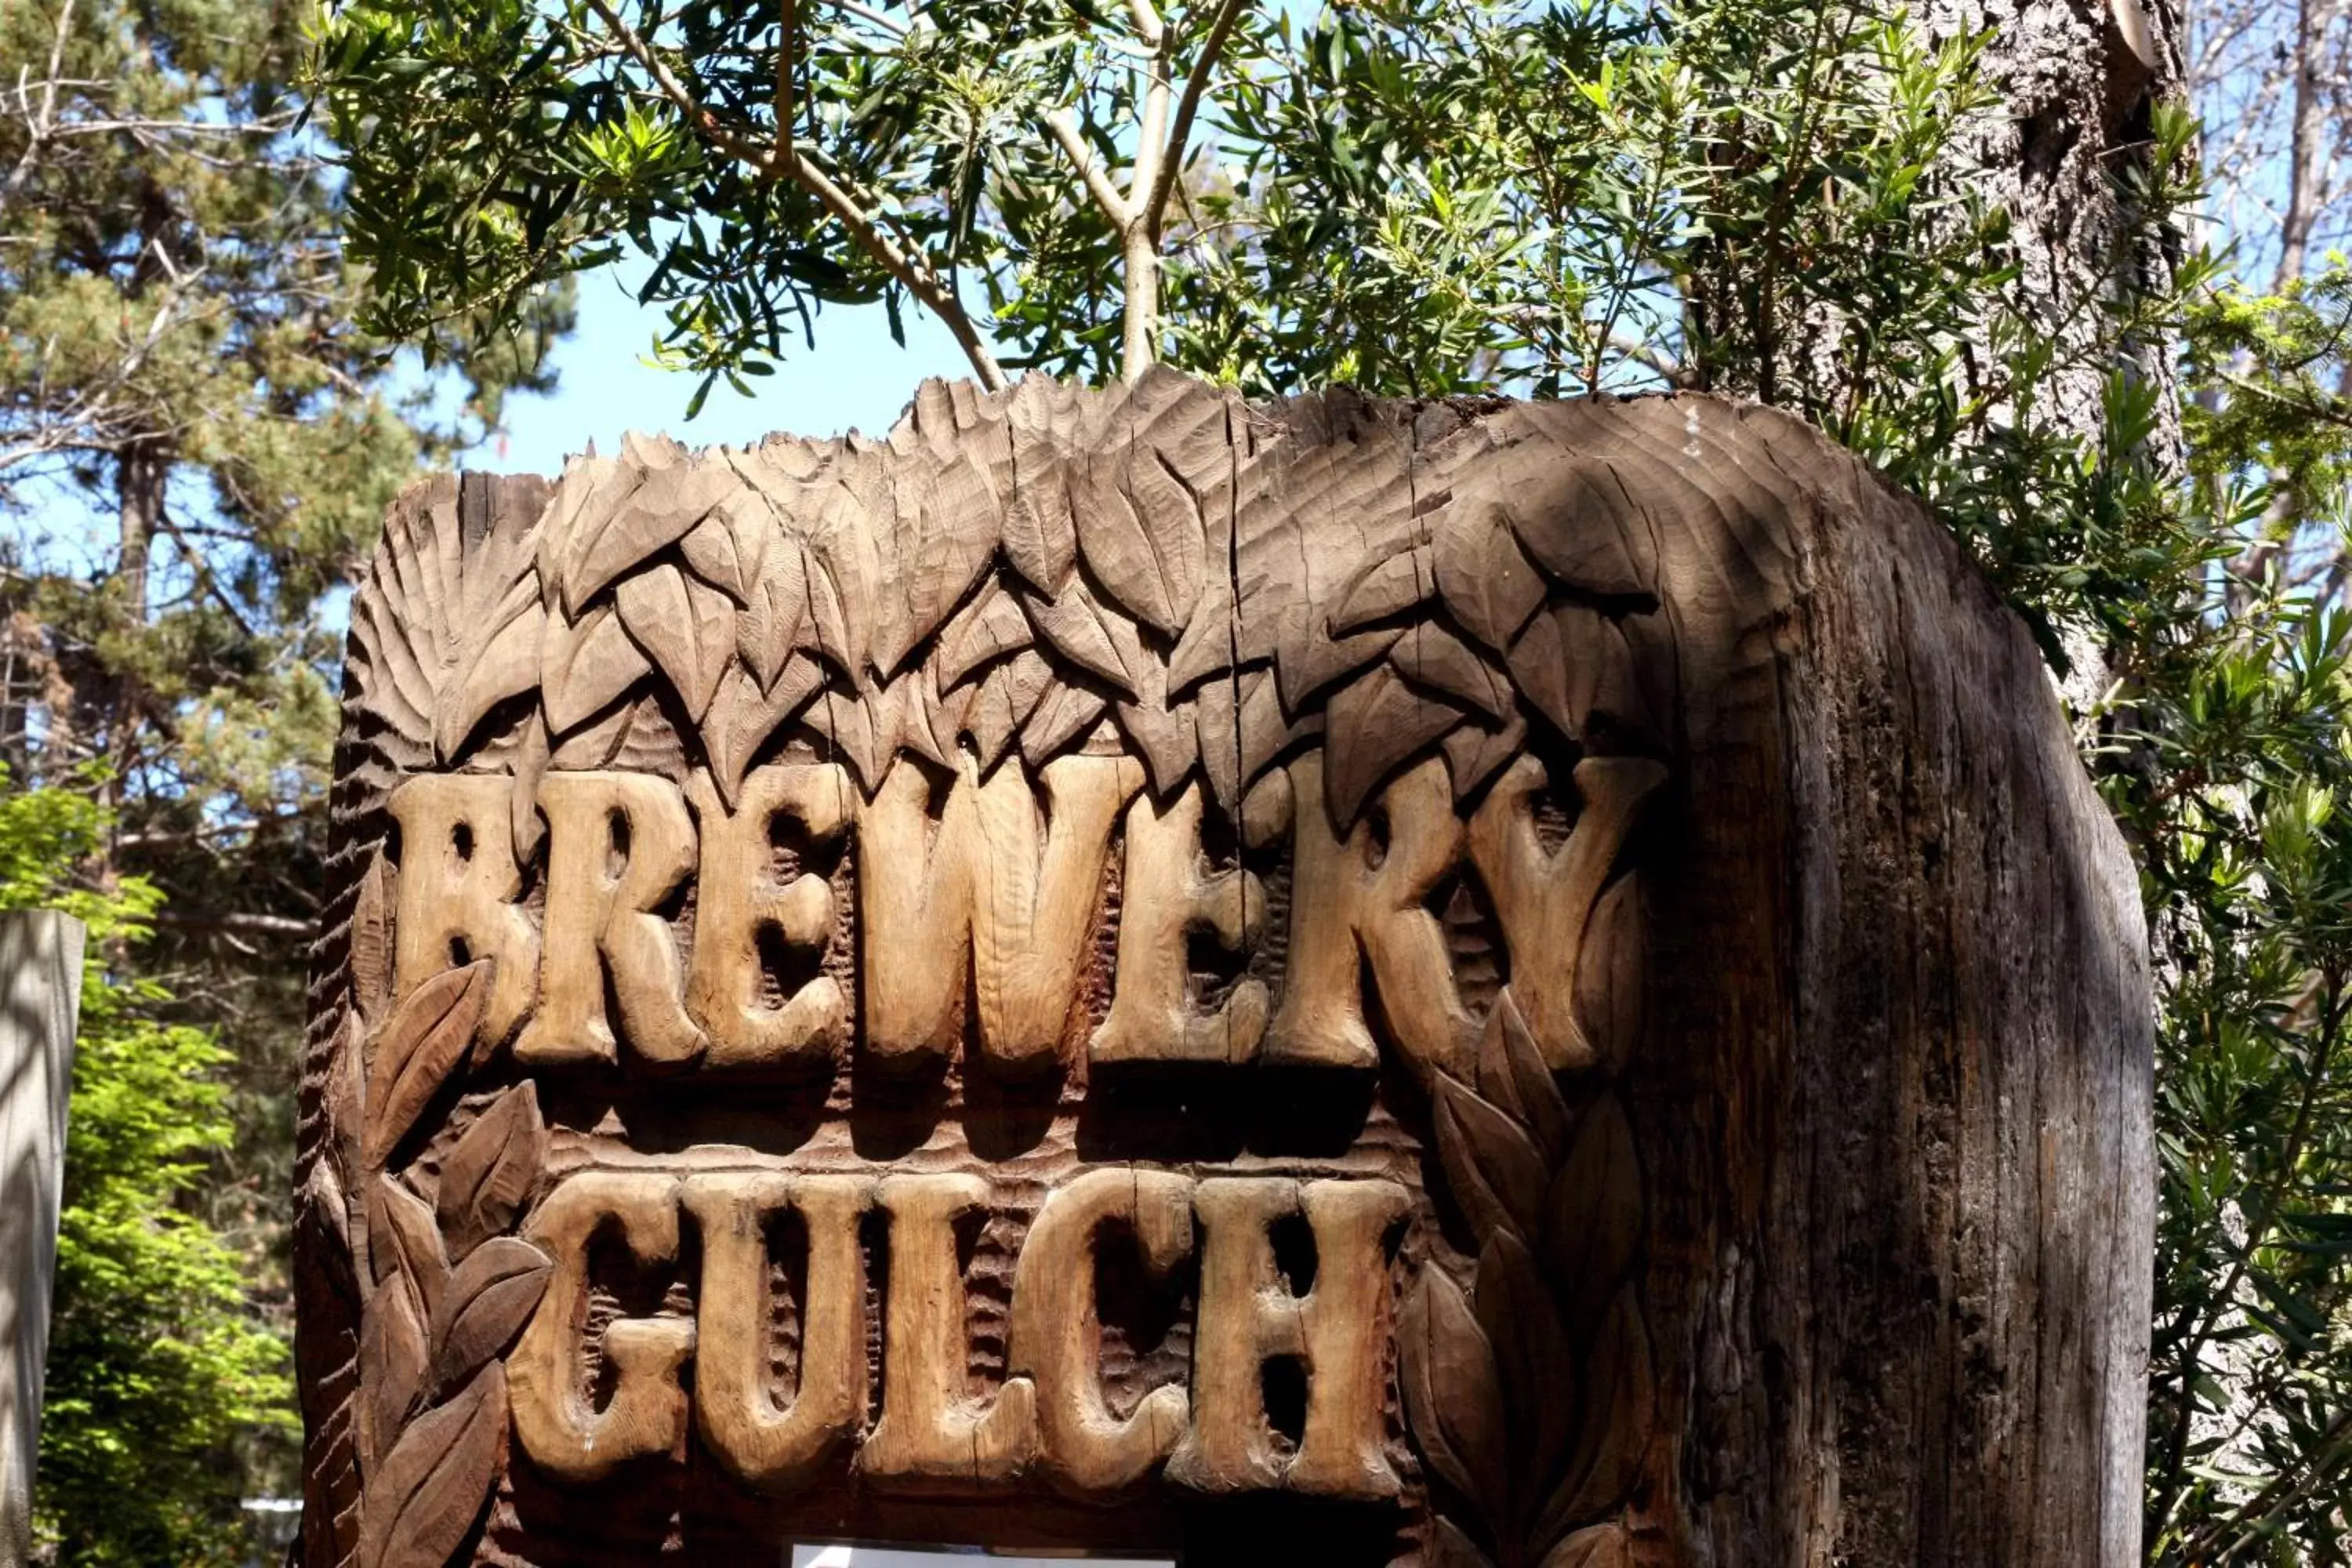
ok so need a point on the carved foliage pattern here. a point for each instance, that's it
(444, 1287)
(1029, 574)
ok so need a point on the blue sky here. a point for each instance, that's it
(856, 378)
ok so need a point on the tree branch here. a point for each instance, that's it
(1196, 86)
(1063, 128)
(913, 273)
(247, 924)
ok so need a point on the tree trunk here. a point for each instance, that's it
(142, 471)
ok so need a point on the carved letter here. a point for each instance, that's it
(1337, 1329)
(1056, 1337)
(617, 845)
(983, 890)
(1543, 900)
(737, 898)
(1357, 902)
(458, 886)
(559, 1427)
(930, 1434)
(1163, 899)
(770, 1449)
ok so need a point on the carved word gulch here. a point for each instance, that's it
(1048, 1414)
(988, 889)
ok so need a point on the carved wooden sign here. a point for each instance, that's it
(1121, 970)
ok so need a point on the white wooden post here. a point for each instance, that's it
(40, 998)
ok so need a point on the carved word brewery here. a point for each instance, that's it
(982, 928)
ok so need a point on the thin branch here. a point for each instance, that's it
(896, 29)
(1063, 128)
(248, 924)
(914, 274)
(1196, 86)
(787, 26)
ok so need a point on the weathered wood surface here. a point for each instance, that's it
(1338, 981)
(40, 979)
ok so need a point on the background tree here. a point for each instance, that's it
(196, 445)
(158, 1365)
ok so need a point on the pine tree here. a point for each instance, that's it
(196, 445)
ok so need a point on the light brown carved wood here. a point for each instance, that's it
(1509, 986)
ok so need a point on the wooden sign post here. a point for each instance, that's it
(1337, 982)
(40, 982)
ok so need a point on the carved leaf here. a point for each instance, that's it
(687, 627)
(1267, 731)
(391, 1363)
(1602, 1546)
(1434, 657)
(323, 1208)
(597, 744)
(1512, 1073)
(1377, 725)
(1008, 695)
(771, 621)
(1453, 1401)
(1167, 739)
(427, 1492)
(1476, 752)
(985, 630)
(1492, 1168)
(1594, 1225)
(677, 492)
(1097, 640)
(1489, 585)
(864, 727)
(491, 1296)
(847, 590)
(1217, 742)
(489, 1174)
(1618, 1412)
(953, 539)
(438, 623)
(1576, 522)
(1393, 586)
(584, 666)
(1040, 534)
(729, 548)
(371, 956)
(1536, 1367)
(1064, 714)
(1610, 973)
(1450, 1547)
(417, 1049)
(498, 661)
(1209, 645)
(345, 1107)
(1150, 563)
(528, 761)
(740, 723)
(404, 1245)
